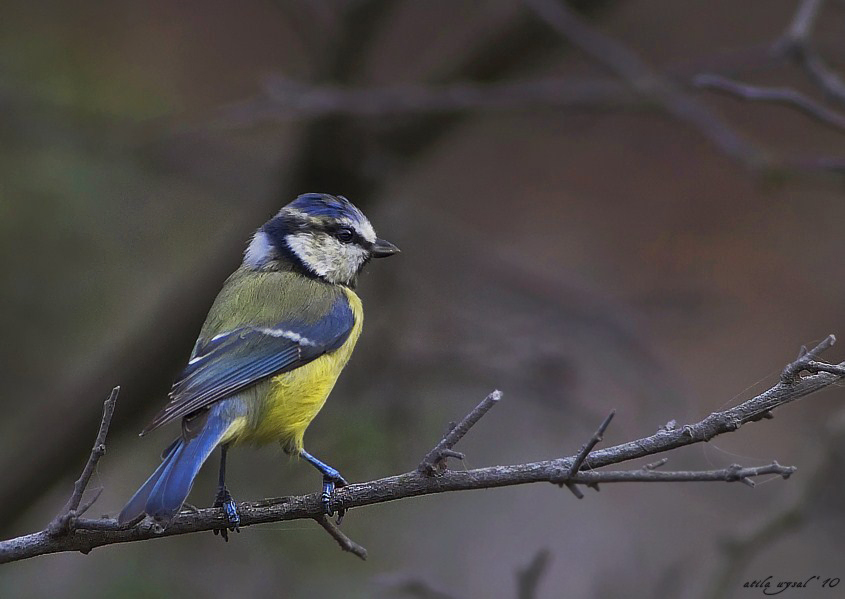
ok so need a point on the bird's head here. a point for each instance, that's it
(323, 235)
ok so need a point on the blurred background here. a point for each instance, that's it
(585, 222)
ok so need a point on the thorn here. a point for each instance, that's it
(669, 426)
(575, 490)
(450, 453)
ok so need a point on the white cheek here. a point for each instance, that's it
(327, 257)
(259, 251)
(355, 258)
(309, 250)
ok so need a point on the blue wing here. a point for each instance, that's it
(236, 359)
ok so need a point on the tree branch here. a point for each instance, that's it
(651, 84)
(801, 28)
(796, 44)
(738, 550)
(338, 535)
(63, 521)
(776, 95)
(641, 87)
(582, 456)
(646, 80)
(435, 459)
(86, 534)
(286, 99)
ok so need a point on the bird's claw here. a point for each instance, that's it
(331, 482)
(233, 519)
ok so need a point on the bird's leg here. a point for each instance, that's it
(331, 480)
(224, 500)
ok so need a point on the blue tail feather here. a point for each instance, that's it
(137, 505)
(163, 494)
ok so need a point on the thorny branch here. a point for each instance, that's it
(435, 460)
(585, 451)
(64, 521)
(83, 534)
(743, 545)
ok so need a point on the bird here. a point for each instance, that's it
(274, 342)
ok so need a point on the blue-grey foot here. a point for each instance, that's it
(233, 519)
(331, 480)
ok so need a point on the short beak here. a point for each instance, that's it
(383, 248)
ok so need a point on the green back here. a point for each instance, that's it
(266, 298)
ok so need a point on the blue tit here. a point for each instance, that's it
(272, 346)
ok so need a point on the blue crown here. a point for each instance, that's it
(325, 205)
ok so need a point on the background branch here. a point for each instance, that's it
(797, 45)
(287, 99)
(646, 80)
(785, 96)
(641, 87)
(529, 578)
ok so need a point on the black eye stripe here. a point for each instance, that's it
(299, 225)
(346, 234)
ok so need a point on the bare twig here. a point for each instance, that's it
(338, 535)
(63, 522)
(433, 461)
(739, 549)
(805, 357)
(88, 534)
(814, 367)
(582, 455)
(589, 445)
(733, 473)
(775, 95)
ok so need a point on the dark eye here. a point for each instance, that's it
(345, 234)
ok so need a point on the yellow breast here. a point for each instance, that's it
(294, 398)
